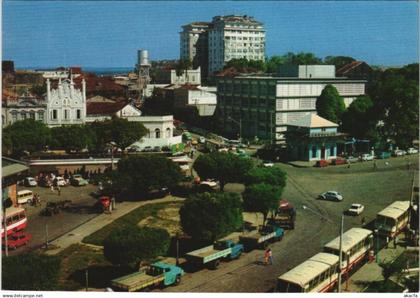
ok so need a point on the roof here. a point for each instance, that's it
(304, 272)
(395, 209)
(190, 87)
(348, 67)
(312, 121)
(12, 210)
(11, 167)
(104, 108)
(350, 238)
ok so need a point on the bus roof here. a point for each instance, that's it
(13, 210)
(350, 238)
(395, 209)
(309, 269)
(25, 191)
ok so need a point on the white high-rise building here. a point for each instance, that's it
(211, 45)
(66, 104)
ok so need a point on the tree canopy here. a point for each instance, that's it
(210, 216)
(30, 272)
(128, 246)
(262, 197)
(72, 137)
(182, 65)
(269, 175)
(137, 175)
(225, 167)
(27, 135)
(330, 105)
(242, 64)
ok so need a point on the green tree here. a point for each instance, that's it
(30, 272)
(225, 167)
(210, 216)
(262, 198)
(138, 175)
(243, 64)
(338, 61)
(39, 90)
(72, 137)
(269, 175)
(182, 66)
(330, 105)
(128, 246)
(301, 58)
(28, 135)
(6, 142)
(273, 64)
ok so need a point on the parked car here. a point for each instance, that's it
(59, 181)
(157, 149)
(148, 149)
(201, 140)
(398, 153)
(355, 209)
(366, 157)
(331, 195)
(194, 142)
(352, 159)
(30, 181)
(268, 163)
(321, 163)
(383, 155)
(412, 151)
(77, 180)
(18, 239)
(338, 161)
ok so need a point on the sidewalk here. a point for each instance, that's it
(95, 224)
(371, 272)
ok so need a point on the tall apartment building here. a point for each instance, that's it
(213, 44)
(264, 105)
(194, 45)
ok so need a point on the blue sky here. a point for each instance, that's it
(109, 33)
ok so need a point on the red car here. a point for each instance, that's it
(321, 163)
(18, 239)
(338, 161)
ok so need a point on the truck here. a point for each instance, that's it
(285, 215)
(157, 274)
(259, 238)
(210, 256)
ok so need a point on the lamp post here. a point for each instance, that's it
(240, 126)
(340, 245)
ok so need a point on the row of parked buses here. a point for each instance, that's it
(320, 273)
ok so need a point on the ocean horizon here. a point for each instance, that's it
(96, 70)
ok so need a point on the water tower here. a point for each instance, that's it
(143, 68)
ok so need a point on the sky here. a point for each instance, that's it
(109, 33)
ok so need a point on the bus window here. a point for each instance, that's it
(15, 218)
(22, 215)
(8, 221)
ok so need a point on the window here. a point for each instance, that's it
(14, 117)
(32, 115)
(41, 116)
(332, 151)
(78, 114)
(23, 115)
(168, 132)
(157, 133)
(313, 151)
(54, 115)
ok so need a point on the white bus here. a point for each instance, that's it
(357, 243)
(393, 219)
(317, 275)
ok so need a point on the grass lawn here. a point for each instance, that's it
(130, 219)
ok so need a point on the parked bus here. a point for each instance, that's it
(15, 220)
(25, 196)
(319, 274)
(357, 243)
(393, 219)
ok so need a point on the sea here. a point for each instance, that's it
(100, 71)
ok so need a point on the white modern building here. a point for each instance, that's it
(264, 105)
(189, 76)
(211, 45)
(234, 37)
(65, 104)
(190, 96)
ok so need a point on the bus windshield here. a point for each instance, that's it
(383, 221)
(287, 287)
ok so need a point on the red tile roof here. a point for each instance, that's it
(104, 108)
(348, 67)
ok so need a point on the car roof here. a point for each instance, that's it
(356, 204)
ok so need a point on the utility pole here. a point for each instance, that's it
(87, 278)
(46, 236)
(341, 254)
(5, 231)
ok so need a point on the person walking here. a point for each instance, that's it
(363, 221)
(270, 256)
(266, 257)
(58, 189)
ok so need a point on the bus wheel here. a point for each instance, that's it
(215, 264)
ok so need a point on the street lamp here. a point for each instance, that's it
(340, 245)
(240, 126)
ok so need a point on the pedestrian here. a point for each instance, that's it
(270, 256)
(266, 257)
(374, 165)
(58, 189)
(395, 242)
(408, 165)
(363, 221)
(52, 186)
(387, 241)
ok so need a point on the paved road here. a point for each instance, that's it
(77, 235)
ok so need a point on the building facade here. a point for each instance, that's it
(66, 104)
(190, 96)
(265, 104)
(100, 111)
(211, 45)
(234, 37)
(21, 108)
(194, 44)
(312, 138)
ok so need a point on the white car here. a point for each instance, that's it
(60, 181)
(30, 181)
(366, 157)
(331, 195)
(356, 209)
(412, 151)
(399, 153)
(267, 163)
(201, 140)
(211, 183)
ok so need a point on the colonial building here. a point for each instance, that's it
(211, 45)
(265, 104)
(312, 138)
(66, 104)
(355, 70)
(99, 111)
(27, 106)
